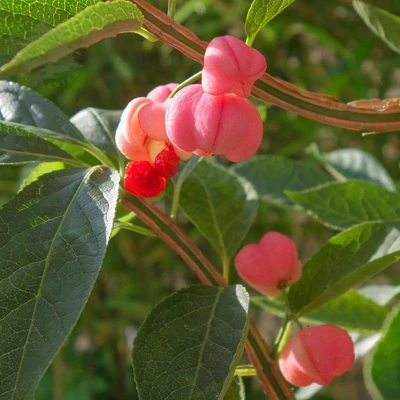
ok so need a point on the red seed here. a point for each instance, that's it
(166, 162)
(142, 180)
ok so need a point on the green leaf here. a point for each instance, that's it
(261, 12)
(53, 237)
(98, 127)
(357, 164)
(272, 175)
(221, 204)
(22, 105)
(97, 22)
(351, 311)
(342, 205)
(190, 344)
(19, 146)
(348, 259)
(236, 391)
(21, 22)
(41, 169)
(382, 23)
(382, 370)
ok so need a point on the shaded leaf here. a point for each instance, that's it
(190, 344)
(53, 237)
(381, 22)
(236, 391)
(221, 204)
(351, 311)
(22, 105)
(272, 175)
(98, 126)
(348, 259)
(20, 146)
(97, 22)
(382, 370)
(358, 164)
(341, 205)
(261, 12)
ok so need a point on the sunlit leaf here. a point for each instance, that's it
(348, 259)
(41, 169)
(22, 22)
(351, 311)
(261, 12)
(383, 367)
(91, 25)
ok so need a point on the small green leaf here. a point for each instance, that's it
(382, 23)
(342, 205)
(357, 164)
(21, 21)
(22, 105)
(19, 146)
(53, 237)
(236, 391)
(98, 127)
(97, 22)
(351, 311)
(382, 369)
(261, 12)
(221, 204)
(190, 344)
(348, 259)
(272, 175)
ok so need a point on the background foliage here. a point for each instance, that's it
(322, 46)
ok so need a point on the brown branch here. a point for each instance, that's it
(371, 114)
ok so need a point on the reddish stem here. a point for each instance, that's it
(258, 350)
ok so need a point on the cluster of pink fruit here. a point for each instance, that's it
(213, 118)
(315, 354)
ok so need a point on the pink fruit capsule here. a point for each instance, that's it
(141, 132)
(230, 66)
(161, 93)
(270, 265)
(316, 354)
(226, 125)
(141, 121)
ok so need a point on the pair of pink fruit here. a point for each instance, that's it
(213, 118)
(315, 354)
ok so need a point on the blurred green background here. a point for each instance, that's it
(321, 46)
